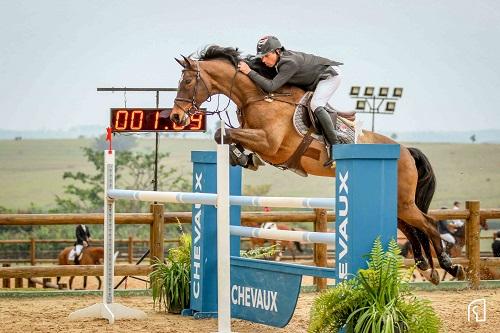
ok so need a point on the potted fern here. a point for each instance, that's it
(170, 279)
(376, 300)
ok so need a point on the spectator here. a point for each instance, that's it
(444, 232)
(496, 244)
(457, 223)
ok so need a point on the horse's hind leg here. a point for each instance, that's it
(413, 216)
(422, 264)
(70, 283)
(84, 282)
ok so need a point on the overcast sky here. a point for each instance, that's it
(54, 54)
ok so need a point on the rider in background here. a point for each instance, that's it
(457, 223)
(82, 240)
(307, 71)
(444, 230)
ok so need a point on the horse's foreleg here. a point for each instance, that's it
(99, 282)
(255, 140)
(71, 278)
(84, 282)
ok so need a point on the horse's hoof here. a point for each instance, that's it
(460, 272)
(431, 275)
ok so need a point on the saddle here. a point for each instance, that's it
(304, 119)
(307, 126)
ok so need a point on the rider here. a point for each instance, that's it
(307, 71)
(82, 240)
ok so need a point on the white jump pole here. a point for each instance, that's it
(107, 309)
(223, 238)
(285, 235)
(211, 199)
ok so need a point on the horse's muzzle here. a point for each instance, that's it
(183, 121)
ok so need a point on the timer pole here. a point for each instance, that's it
(157, 137)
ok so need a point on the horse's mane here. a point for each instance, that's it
(233, 55)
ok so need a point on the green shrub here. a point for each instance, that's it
(170, 279)
(376, 300)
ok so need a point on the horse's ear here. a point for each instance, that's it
(181, 62)
(187, 62)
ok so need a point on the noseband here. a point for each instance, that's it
(194, 105)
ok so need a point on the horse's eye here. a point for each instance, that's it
(188, 81)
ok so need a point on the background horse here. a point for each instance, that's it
(282, 245)
(90, 256)
(267, 129)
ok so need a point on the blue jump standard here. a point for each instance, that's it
(266, 292)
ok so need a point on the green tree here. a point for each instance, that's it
(134, 170)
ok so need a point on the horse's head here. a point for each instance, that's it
(192, 91)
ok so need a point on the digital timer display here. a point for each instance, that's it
(153, 120)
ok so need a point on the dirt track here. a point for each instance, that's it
(50, 315)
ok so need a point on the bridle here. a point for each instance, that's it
(194, 105)
(195, 108)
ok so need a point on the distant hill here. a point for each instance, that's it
(91, 131)
(483, 136)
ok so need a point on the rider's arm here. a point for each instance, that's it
(285, 71)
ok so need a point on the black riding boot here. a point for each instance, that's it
(77, 261)
(328, 130)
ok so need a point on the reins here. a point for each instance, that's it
(195, 108)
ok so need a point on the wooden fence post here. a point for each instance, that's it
(320, 250)
(33, 252)
(473, 250)
(157, 231)
(18, 282)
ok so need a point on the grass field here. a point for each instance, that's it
(31, 171)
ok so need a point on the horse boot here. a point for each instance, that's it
(237, 155)
(328, 130)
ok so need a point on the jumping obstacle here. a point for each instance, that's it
(266, 292)
(108, 309)
(259, 290)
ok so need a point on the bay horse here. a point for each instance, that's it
(90, 256)
(267, 130)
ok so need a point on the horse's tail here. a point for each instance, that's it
(426, 184)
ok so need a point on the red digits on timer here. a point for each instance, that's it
(196, 121)
(121, 118)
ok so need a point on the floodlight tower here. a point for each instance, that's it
(375, 101)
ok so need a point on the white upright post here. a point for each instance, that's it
(107, 309)
(223, 238)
